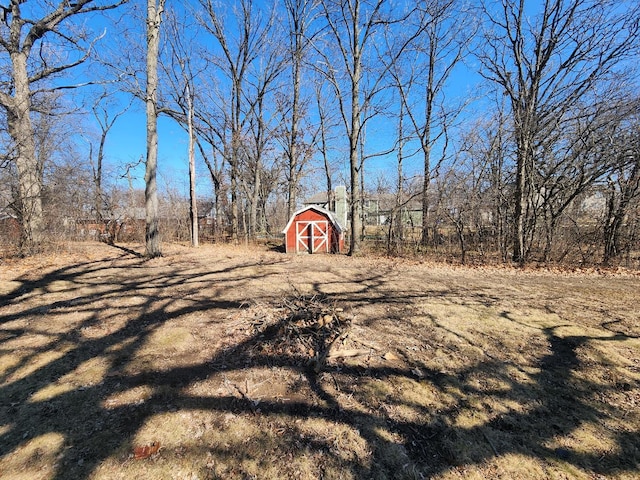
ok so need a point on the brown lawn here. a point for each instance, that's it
(228, 362)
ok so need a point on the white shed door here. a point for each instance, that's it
(312, 236)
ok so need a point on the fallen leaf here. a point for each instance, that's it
(140, 453)
(390, 356)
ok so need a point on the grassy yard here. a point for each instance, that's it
(227, 362)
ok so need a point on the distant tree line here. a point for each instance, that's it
(511, 127)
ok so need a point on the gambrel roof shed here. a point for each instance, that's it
(313, 230)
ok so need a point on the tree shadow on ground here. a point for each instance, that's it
(35, 401)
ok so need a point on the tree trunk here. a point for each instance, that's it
(255, 200)
(293, 147)
(214, 172)
(617, 213)
(152, 234)
(551, 225)
(396, 222)
(233, 181)
(98, 177)
(29, 170)
(354, 138)
(324, 150)
(461, 241)
(425, 141)
(356, 205)
(424, 237)
(520, 200)
(235, 158)
(193, 203)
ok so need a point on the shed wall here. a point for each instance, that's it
(303, 224)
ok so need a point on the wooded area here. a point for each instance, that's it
(511, 128)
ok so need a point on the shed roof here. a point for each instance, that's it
(321, 211)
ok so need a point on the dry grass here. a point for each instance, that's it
(217, 356)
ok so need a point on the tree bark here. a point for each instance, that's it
(425, 140)
(354, 137)
(295, 120)
(152, 234)
(28, 167)
(324, 148)
(520, 203)
(193, 201)
(98, 177)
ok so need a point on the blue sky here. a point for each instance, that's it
(127, 143)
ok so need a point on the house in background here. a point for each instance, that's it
(377, 209)
(335, 203)
(382, 208)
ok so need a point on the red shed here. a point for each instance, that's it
(313, 230)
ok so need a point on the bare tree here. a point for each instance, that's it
(354, 27)
(396, 221)
(209, 134)
(193, 202)
(326, 122)
(43, 25)
(623, 185)
(211, 122)
(445, 31)
(261, 115)
(352, 30)
(181, 73)
(487, 142)
(544, 64)
(300, 14)
(239, 46)
(577, 155)
(106, 120)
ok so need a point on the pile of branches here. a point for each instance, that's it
(306, 331)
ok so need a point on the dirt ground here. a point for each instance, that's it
(237, 362)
